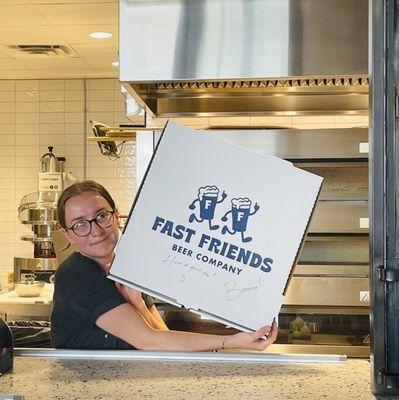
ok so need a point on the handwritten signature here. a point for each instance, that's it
(233, 291)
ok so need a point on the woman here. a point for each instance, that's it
(93, 312)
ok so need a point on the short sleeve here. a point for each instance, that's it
(89, 293)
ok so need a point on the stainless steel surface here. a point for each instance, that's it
(318, 285)
(16, 311)
(217, 57)
(219, 39)
(39, 216)
(301, 144)
(35, 263)
(232, 98)
(340, 217)
(336, 250)
(328, 291)
(39, 265)
(332, 270)
(181, 356)
(325, 310)
(342, 182)
(39, 208)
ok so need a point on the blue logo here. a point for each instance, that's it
(208, 199)
(204, 247)
(240, 212)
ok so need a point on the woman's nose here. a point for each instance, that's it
(96, 229)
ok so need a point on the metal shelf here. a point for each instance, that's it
(111, 139)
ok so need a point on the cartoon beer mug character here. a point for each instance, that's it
(240, 211)
(208, 199)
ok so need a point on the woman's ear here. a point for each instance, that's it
(66, 233)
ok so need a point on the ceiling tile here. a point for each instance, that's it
(61, 22)
(102, 63)
(3, 55)
(9, 64)
(20, 15)
(45, 2)
(78, 14)
(108, 72)
(75, 34)
(12, 35)
(23, 74)
(13, 2)
(62, 74)
(97, 51)
(55, 63)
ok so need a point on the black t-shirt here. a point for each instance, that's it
(82, 294)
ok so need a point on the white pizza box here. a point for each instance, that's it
(216, 228)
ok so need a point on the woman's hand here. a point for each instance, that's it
(252, 341)
(132, 296)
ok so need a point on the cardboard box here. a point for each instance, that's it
(216, 228)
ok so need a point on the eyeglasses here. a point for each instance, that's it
(82, 228)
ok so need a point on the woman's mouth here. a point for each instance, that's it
(99, 241)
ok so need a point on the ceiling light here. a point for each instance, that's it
(100, 35)
(115, 63)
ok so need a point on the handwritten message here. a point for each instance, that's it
(231, 289)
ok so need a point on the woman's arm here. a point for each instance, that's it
(151, 316)
(125, 322)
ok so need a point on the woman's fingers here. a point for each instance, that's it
(271, 338)
(264, 330)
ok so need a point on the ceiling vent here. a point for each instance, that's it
(40, 51)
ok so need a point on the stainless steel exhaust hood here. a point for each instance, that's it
(214, 57)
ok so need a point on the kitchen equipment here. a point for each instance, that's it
(14, 307)
(29, 288)
(6, 348)
(39, 209)
(220, 58)
(311, 58)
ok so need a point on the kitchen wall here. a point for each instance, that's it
(35, 114)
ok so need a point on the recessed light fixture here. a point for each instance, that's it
(100, 35)
(115, 63)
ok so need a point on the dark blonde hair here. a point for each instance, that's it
(79, 188)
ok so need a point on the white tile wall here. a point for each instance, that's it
(35, 114)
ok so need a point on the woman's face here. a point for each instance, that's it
(99, 244)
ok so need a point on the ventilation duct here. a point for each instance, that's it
(221, 57)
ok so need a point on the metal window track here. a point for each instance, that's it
(179, 356)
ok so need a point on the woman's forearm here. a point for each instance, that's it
(188, 341)
(125, 322)
(185, 341)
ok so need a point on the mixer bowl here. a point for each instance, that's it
(29, 289)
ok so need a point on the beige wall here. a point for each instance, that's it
(35, 114)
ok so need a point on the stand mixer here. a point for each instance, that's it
(39, 209)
